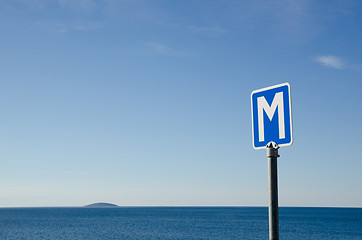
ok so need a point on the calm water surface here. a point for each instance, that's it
(191, 223)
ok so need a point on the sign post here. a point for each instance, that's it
(271, 131)
(272, 154)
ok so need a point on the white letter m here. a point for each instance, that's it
(270, 110)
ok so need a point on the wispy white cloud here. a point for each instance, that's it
(330, 61)
(158, 48)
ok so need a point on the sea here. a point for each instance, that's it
(176, 223)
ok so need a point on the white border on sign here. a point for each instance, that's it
(290, 112)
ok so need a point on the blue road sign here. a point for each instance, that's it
(271, 113)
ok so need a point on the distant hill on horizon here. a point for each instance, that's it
(101, 205)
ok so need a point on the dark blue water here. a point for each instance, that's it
(193, 223)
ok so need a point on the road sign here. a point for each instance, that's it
(271, 113)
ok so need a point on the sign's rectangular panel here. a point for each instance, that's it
(271, 114)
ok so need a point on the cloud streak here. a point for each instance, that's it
(330, 61)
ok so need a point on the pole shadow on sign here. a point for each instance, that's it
(271, 114)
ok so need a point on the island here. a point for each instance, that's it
(101, 205)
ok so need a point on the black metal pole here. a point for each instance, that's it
(272, 154)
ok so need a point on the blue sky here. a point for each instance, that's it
(147, 103)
